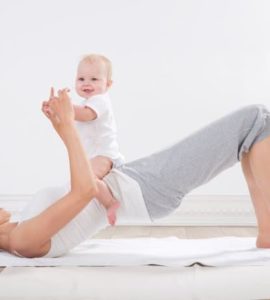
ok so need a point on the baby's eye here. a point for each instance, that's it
(94, 79)
(81, 79)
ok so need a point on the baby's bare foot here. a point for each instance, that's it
(107, 199)
(111, 212)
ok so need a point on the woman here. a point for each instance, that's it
(58, 219)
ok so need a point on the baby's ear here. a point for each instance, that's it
(109, 83)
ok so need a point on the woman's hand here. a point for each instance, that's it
(59, 110)
(46, 107)
(61, 107)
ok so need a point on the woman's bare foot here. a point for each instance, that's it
(107, 199)
(263, 241)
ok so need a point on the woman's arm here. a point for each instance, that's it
(62, 118)
(32, 237)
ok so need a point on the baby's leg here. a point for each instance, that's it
(101, 166)
(106, 198)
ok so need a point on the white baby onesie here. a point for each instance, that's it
(99, 136)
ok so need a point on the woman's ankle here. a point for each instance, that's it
(263, 241)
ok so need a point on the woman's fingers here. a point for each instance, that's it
(46, 104)
(52, 108)
(49, 112)
(45, 108)
(54, 101)
(58, 109)
(59, 92)
(63, 92)
(52, 93)
(46, 111)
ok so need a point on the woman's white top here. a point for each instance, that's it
(93, 217)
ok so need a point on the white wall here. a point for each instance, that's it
(177, 65)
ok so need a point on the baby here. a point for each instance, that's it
(96, 123)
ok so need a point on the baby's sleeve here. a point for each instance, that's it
(97, 103)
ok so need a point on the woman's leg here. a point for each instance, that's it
(259, 170)
(260, 204)
(31, 238)
(167, 176)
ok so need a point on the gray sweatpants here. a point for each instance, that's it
(166, 176)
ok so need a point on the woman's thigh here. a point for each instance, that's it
(171, 173)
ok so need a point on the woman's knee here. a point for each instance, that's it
(256, 110)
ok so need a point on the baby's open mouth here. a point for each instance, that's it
(87, 90)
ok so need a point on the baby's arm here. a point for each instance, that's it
(83, 113)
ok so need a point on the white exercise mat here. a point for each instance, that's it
(170, 251)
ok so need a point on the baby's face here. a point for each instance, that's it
(91, 79)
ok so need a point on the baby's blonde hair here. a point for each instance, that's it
(99, 58)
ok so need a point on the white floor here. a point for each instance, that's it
(147, 282)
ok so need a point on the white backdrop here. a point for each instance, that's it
(177, 65)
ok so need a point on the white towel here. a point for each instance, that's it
(170, 251)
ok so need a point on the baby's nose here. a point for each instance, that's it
(87, 84)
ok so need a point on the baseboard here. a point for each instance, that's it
(212, 210)
(195, 210)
